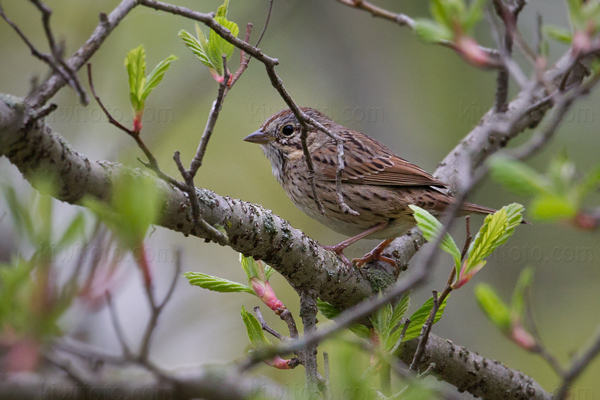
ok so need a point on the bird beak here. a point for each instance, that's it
(258, 137)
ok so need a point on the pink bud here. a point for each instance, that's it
(470, 50)
(586, 222)
(278, 363)
(266, 293)
(137, 121)
(581, 43)
(521, 337)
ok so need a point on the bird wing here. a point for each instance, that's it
(369, 162)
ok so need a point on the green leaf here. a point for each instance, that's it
(551, 208)
(253, 268)
(431, 32)
(197, 46)
(222, 10)
(517, 176)
(156, 76)
(268, 271)
(135, 62)
(494, 308)
(431, 228)
(215, 283)
(217, 46)
(496, 230)
(558, 33)
(418, 319)
(473, 15)
(330, 312)
(255, 333)
(517, 304)
(134, 207)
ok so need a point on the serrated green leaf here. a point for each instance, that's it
(493, 307)
(558, 33)
(328, 310)
(398, 312)
(431, 32)
(418, 319)
(197, 46)
(496, 230)
(215, 283)
(222, 10)
(431, 228)
(517, 176)
(217, 46)
(135, 62)
(255, 333)
(514, 214)
(517, 304)
(156, 76)
(381, 318)
(551, 208)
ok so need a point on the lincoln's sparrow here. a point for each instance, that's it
(376, 183)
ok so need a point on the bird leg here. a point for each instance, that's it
(341, 246)
(375, 254)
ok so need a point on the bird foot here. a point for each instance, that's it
(375, 255)
(339, 250)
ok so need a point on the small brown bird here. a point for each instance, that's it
(376, 183)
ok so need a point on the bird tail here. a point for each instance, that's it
(474, 208)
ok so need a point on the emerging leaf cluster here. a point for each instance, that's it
(496, 230)
(450, 17)
(584, 16)
(251, 267)
(502, 315)
(31, 302)
(210, 51)
(140, 85)
(389, 321)
(556, 195)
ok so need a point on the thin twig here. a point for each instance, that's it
(117, 327)
(57, 53)
(213, 233)
(578, 366)
(425, 331)
(265, 327)
(156, 309)
(262, 34)
(54, 64)
(210, 124)
(288, 318)
(152, 163)
(244, 58)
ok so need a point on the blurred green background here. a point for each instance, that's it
(368, 74)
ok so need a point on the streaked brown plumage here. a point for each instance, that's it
(376, 183)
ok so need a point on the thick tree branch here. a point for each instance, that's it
(471, 372)
(206, 383)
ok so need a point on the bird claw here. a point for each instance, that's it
(375, 255)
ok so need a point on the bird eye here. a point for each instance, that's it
(287, 130)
